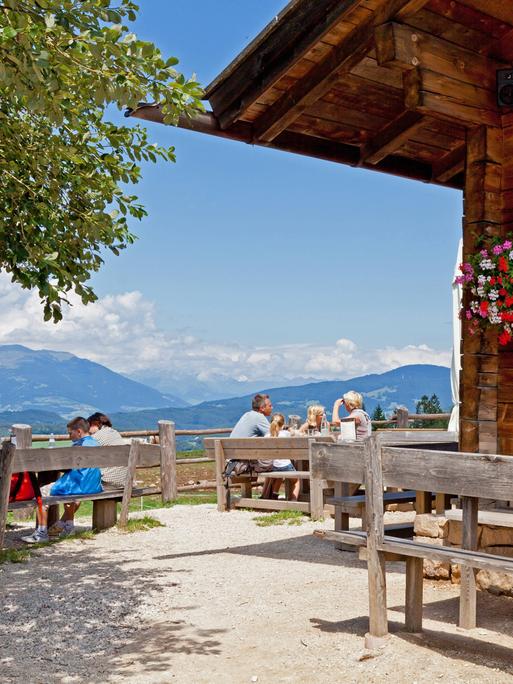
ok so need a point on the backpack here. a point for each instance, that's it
(24, 487)
(236, 468)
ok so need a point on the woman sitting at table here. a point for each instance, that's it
(353, 402)
(314, 416)
(277, 429)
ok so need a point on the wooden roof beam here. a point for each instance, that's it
(282, 49)
(450, 165)
(392, 136)
(342, 58)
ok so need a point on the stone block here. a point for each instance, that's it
(495, 582)
(429, 540)
(455, 573)
(436, 569)
(430, 525)
(454, 534)
(496, 536)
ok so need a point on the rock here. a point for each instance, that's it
(429, 525)
(430, 540)
(436, 569)
(496, 536)
(495, 582)
(455, 573)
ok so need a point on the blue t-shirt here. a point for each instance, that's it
(86, 441)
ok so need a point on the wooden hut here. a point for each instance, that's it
(407, 87)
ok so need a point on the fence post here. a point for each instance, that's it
(167, 439)
(23, 435)
(133, 459)
(402, 417)
(6, 462)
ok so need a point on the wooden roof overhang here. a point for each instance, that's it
(387, 85)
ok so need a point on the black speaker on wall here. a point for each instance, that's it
(505, 87)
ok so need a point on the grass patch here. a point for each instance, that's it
(142, 524)
(14, 555)
(280, 518)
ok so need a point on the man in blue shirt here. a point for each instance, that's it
(254, 423)
(78, 430)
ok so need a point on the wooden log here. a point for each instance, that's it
(467, 615)
(272, 504)
(167, 441)
(414, 591)
(133, 458)
(402, 417)
(378, 622)
(6, 463)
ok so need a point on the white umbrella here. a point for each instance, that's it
(457, 290)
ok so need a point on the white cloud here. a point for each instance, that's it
(120, 331)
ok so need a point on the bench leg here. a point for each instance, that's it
(378, 621)
(414, 587)
(342, 519)
(468, 607)
(246, 490)
(105, 514)
(316, 499)
(53, 514)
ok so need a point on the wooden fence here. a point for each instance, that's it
(401, 419)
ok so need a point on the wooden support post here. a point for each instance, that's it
(467, 618)
(23, 436)
(378, 623)
(133, 459)
(402, 417)
(6, 461)
(223, 493)
(414, 587)
(342, 519)
(105, 512)
(423, 502)
(316, 498)
(167, 440)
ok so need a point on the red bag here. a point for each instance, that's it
(22, 487)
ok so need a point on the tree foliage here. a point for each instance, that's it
(429, 405)
(378, 413)
(64, 167)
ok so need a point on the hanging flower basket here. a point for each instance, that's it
(488, 277)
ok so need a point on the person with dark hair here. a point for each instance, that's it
(78, 429)
(103, 432)
(254, 423)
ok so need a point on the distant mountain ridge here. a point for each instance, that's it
(402, 386)
(67, 385)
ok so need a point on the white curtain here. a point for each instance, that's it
(454, 421)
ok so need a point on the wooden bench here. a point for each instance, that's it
(133, 456)
(251, 449)
(470, 475)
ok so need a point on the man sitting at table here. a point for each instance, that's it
(254, 423)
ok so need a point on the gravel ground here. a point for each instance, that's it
(213, 598)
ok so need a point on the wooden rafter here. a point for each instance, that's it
(391, 138)
(283, 48)
(319, 79)
(450, 164)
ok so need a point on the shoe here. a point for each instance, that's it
(36, 537)
(61, 529)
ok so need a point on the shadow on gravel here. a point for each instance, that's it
(306, 548)
(494, 614)
(81, 612)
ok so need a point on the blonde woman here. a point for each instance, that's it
(277, 429)
(314, 416)
(353, 402)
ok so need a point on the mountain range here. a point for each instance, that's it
(44, 388)
(67, 385)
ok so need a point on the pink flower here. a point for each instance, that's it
(483, 253)
(507, 244)
(468, 314)
(498, 249)
(459, 280)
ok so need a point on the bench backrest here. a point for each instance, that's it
(253, 448)
(345, 462)
(65, 458)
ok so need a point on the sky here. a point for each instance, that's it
(254, 264)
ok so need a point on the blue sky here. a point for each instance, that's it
(253, 263)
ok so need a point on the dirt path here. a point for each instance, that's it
(213, 598)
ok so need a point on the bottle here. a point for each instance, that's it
(325, 428)
(51, 441)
